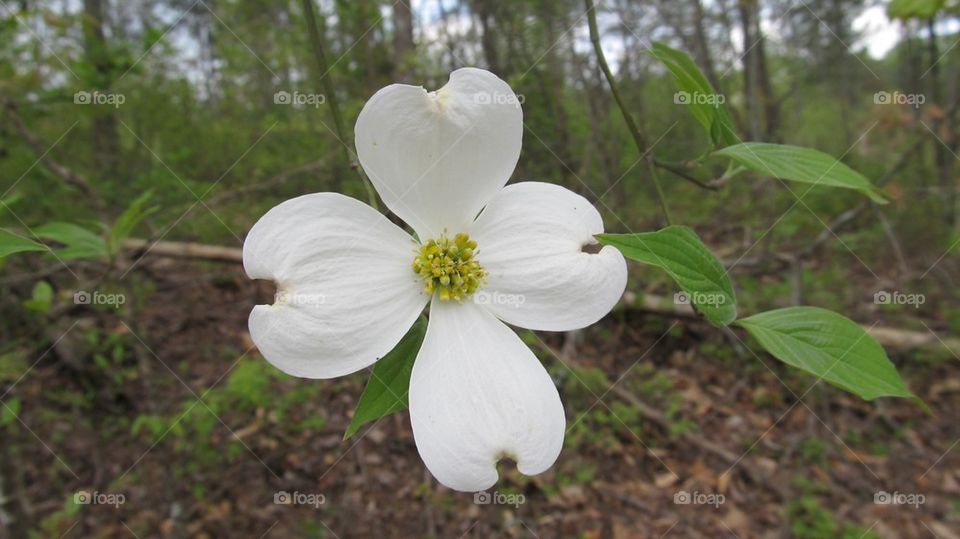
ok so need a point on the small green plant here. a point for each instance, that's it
(809, 519)
(247, 392)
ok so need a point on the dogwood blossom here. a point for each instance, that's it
(350, 282)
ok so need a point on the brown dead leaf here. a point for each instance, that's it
(665, 480)
(736, 520)
(942, 531)
(723, 482)
(863, 457)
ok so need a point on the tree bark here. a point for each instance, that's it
(105, 141)
(488, 39)
(762, 108)
(942, 160)
(403, 46)
(701, 46)
(749, 69)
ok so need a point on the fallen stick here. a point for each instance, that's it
(176, 249)
(730, 458)
(892, 338)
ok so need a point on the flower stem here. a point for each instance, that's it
(638, 139)
(316, 42)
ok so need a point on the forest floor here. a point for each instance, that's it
(200, 435)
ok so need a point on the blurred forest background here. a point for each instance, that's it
(134, 404)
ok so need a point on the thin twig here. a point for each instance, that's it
(654, 415)
(711, 186)
(638, 137)
(267, 184)
(316, 43)
(68, 176)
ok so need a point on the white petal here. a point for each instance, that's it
(346, 293)
(530, 239)
(477, 393)
(437, 158)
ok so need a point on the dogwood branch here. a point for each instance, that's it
(316, 42)
(68, 176)
(638, 138)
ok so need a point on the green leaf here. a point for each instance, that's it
(800, 165)
(907, 9)
(9, 412)
(387, 388)
(41, 298)
(706, 105)
(680, 252)
(829, 346)
(79, 242)
(127, 220)
(11, 243)
(11, 199)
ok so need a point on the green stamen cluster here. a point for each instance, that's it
(448, 266)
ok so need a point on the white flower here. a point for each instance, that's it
(500, 255)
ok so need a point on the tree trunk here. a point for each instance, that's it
(749, 69)
(771, 112)
(404, 54)
(762, 109)
(488, 39)
(701, 46)
(941, 158)
(105, 140)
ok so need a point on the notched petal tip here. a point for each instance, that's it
(591, 247)
(502, 462)
(569, 281)
(265, 290)
(328, 257)
(437, 157)
(478, 397)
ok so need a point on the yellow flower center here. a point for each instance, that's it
(448, 267)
